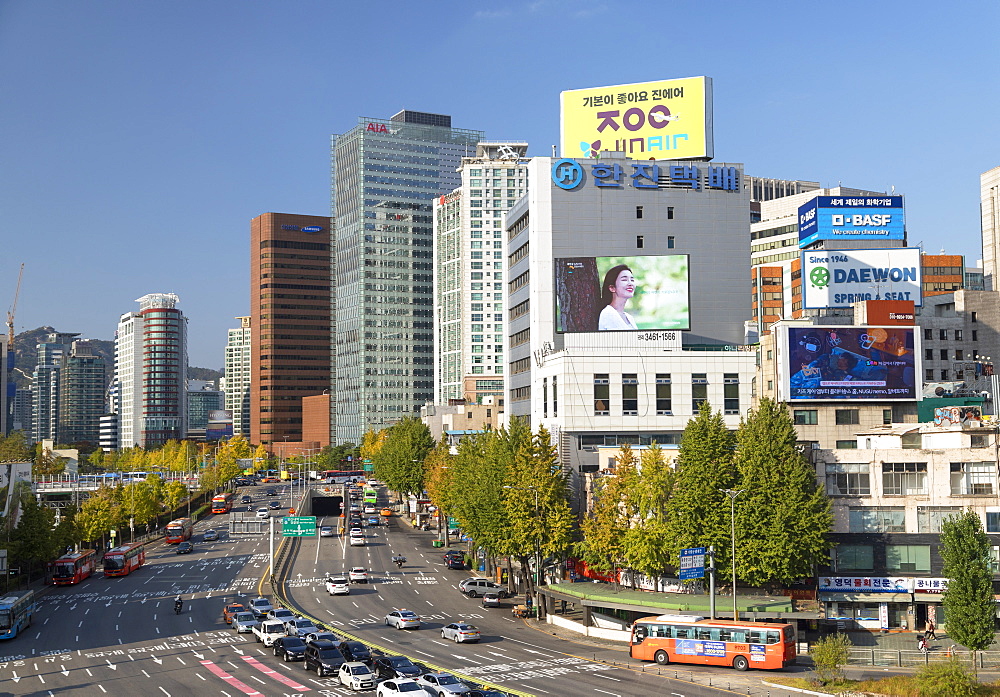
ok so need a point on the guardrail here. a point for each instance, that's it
(283, 558)
(912, 658)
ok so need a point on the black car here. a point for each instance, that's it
(184, 548)
(390, 667)
(246, 499)
(274, 504)
(270, 492)
(323, 657)
(290, 648)
(455, 563)
(355, 651)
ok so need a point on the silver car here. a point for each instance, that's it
(300, 627)
(244, 622)
(443, 684)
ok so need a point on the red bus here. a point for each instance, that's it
(222, 503)
(121, 561)
(682, 639)
(73, 567)
(178, 531)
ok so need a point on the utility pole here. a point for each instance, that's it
(732, 494)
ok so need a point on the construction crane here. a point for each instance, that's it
(12, 310)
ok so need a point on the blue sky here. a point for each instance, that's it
(139, 138)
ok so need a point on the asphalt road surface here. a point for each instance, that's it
(120, 635)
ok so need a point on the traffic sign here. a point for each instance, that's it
(298, 526)
(692, 563)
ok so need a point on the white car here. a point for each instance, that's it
(327, 531)
(358, 574)
(402, 686)
(300, 627)
(281, 614)
(369, 510)
(356, 676)
(338, 585)
(444, 684)
(263, 513)
(357, 532)
(357, 541)
(460, 632)
(403, 619)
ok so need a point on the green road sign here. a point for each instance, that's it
(369, 468)
(298, 526)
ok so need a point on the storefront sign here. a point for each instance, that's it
(865, 584)
(930, 585)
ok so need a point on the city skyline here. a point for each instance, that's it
(135, 158)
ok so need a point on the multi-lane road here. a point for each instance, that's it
(121, 636)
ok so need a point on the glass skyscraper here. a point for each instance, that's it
(386, 174)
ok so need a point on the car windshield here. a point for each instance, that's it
(244, 617)
(409, 687)
(447, 680)
(329, 653)
(466, 627)
(359, 670)
(400, 662)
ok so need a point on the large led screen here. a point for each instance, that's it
(863, 363)
(596, 294)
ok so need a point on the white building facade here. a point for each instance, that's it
(469, 259)
(237, 378)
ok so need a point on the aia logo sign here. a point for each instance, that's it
(377, 128)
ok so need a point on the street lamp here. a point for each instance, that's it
(538, 544)
(732, 494)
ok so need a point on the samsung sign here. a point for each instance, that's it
(851, 218)
(842, 277)
(296, 228)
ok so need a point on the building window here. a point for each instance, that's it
(555, 397)
(928, 354)
(975, 316)
(944, 354)
(699, 390)
(847, 479)
(943, 334)
(670, 241)
(663, 402)
(911, 441)
(973, 478)
(928, 334)
(958, 335)
(959, 355)
(908, 558)
(805, 417)
(630, 394)
(993, 520)
(847, 417)
(930, 518)
(847, 445)
(887, 416)
(545, 397)
(877, 519)
(944, 375)
(975, 335)
(731, 393)
(853, 558)
(639, 241)
(979, 441)
(929, 374)
(602, 394)
(670, 216)
(638, 212)
(904, 478)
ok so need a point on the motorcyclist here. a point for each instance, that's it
(178, 604)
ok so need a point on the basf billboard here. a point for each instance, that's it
(597, 294)
(849, 362)
(851, 218)
(663, 120)
(845, 276)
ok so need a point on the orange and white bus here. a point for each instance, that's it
(222, 503)
(73, 567)
(123, 560)
(178, 531)
(742, 645)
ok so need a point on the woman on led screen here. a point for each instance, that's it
(619, 287)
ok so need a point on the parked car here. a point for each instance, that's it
(475, 587)
(338, 585)
(356, 676)
(455, 563)
(460, 632)
(289, 648)
(244, 622)
(210, 535)
(323, 657)
(230, 610)
(391, 667)
(491, 600)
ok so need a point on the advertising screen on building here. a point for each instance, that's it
(843, 277)
(851, 218)
(638, 293)
(663, 120)
(845, 362)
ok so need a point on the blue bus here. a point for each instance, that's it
(16, 610)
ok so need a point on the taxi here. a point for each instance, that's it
(230, 610)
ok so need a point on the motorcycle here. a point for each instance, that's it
(178, 606)
(399, 561)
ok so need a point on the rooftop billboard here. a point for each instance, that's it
(643, 293)
(846, 276)
(849, 362)
(662, 120)
(851, 218)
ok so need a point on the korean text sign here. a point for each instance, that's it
(851, 218)
(839, 278)
(664, 120)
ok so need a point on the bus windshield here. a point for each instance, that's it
(5, 619)
(63, 571)
(114, 563)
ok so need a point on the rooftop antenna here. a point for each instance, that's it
(554, 151)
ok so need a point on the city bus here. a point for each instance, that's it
(123, 560)
(222, 503)
(16, 610)
(682, 639)
(134, 477)
(178, 531)
(370, 496)
(73, 567)
(342, 476)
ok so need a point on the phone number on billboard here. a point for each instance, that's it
(658, 336)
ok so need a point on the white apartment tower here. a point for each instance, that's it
(151, 372)
(989, 193)
(469, 263)
(237, 380)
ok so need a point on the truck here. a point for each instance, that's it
(268, 630)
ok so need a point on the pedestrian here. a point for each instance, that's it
(922, 644)
(930, 630)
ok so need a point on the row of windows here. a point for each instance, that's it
(663, 393)
(910, 479)
(892, 519)
(842, 417)
(943, 334)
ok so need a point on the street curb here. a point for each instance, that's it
(795, 689)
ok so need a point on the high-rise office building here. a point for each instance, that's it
(237, 380)
(469, 261)
(290, 316)
(81, 394)
(202, 400)
(989, 206)
(45, 385)
(386, 175)
(151, 372)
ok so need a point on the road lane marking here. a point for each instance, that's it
(238, 684)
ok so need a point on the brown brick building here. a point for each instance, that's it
(290, 312)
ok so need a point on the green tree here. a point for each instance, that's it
(437, 475)
(647, 543)
(400, 461)
(968, 600)
(371, 442)
(15, 448)
(607, 520)
(829, 656)
(139, 503)
(99, 514)
(45, 464)
(948, 679)
(33, 541)
(477, 475)
(174, 492)
(783, 517)
(67, 531)
(699, 513)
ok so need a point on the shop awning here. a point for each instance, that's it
(865, 597)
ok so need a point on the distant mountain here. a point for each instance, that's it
(26, 356)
